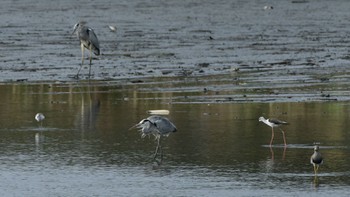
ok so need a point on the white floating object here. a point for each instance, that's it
(159, 112)
(112, 28)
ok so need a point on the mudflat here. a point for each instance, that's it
(292, 47)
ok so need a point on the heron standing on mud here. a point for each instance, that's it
(88, 39)
(158, 126)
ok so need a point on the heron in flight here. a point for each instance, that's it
(88, 39)
(274, 123)
(159, 127)
(316, 159)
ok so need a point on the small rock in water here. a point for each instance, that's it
(268, 7)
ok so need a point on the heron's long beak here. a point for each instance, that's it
(75, 28)
(136, 125)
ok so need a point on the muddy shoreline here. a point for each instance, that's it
(298, 49)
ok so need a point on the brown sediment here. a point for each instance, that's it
(237, 50)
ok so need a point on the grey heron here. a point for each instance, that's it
(274, 123)
(158, 126)
(39, 117)
(88, 39)
(316, 159)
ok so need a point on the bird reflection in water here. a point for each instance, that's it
(268, 164)
(315, 182)
(273, 153)
(88, 114)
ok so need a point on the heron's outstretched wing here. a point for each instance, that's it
(163, 124)
(146, 128)
(94, 41)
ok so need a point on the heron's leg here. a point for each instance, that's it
(161, 153)
(272, 136)
(284, 138)
(82, 53)
(90, 59)
(155, 154)
(82, 58)
(157, 149)
(79, 71)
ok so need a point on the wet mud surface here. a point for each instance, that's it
(232, 51)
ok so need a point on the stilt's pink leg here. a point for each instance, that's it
(272, 136)
(284, 138)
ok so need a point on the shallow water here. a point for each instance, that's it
(217, 66)
(84, 147)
